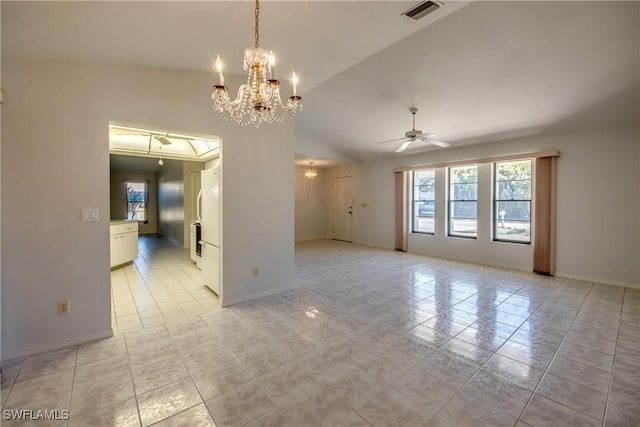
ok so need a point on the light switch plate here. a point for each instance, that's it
(90, 215)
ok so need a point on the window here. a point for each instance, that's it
(137, 198)
(424, 201)
(463, 201)
(512, 202)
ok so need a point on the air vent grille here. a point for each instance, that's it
(422, 10)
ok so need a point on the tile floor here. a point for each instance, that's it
(368, 337)
(161, 285)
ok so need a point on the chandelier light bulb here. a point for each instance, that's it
(219, 69)
(272, 64)
(294, 80)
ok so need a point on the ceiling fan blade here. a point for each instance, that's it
(404, 146)
(436, 142)
(391, 140)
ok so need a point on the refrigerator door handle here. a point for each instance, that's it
(198, 199)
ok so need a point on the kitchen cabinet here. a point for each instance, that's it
(124, 242)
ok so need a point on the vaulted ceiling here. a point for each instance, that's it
(478, 71)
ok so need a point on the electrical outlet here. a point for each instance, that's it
(64, 307)
(255, 271)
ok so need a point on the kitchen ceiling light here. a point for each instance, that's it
(258, 100)
(311, 173)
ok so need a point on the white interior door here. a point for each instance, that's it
(341, 210)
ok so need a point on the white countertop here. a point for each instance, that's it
(122, 221)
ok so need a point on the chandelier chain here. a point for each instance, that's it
(257, 23)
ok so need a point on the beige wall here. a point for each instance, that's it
(57, 123)
(313, 204)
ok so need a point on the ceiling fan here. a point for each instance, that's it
(414, 135)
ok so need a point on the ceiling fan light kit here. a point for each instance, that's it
(414, 135)
(258, 100)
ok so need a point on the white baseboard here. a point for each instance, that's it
(245, 298)
(307, 239)
(599, 280)
(58, 344)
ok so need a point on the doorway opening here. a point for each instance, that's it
(152, 187)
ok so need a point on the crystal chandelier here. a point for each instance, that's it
(258, 100)
(311, 173)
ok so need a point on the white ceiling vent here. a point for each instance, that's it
(422, 10)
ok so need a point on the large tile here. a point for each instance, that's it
(8, 376)
(50, 391)
(542, 412)
(573, 395)
(467, 351)
(324, 361)
(48, 363)
(273, 418)
(516, 372)
(148, 378)
(447, 366)
(221, 378)
(424, 389)
(262, 358)
(535, 357)
(102, 394)
(586, 375)
(315, 407)
(483, 339)
(285, 382)
(197, 416)
(383, 366)
(586, 355)
(167, 401)
(622, 412)
(124, 414)
(499, 393)
(351, 384)
(102, 349)
(389, 408)
(466, 410)
(240, 405)
(352, 420)
(100, 370)
(206, 357)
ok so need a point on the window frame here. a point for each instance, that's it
(496, 200)
(414, 202)
(145, 203)
(451, 200)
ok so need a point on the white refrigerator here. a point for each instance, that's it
(208, 208)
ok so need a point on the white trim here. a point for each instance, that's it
(306, 239)
(250, 297)
(59, 344)
(600, 280)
